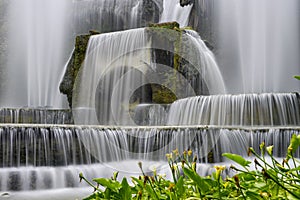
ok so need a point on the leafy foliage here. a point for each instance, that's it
(297, 77)
(269, 181)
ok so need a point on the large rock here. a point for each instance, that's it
(75, 63)
(173, 71)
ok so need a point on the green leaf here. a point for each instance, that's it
(107, 193)
(260, 184)
(179, 186)
(247, 176)
(292, 197)
(108, 183)
(297, 77)
(253, 195)
(201, 184)
(150, 191)
(295, 169)
(294, 144)
(210, 182)
(237, 158)
(281, 168)
(125, 191)
(137, 182)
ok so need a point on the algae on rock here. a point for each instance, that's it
(74, 65)
(171, 55)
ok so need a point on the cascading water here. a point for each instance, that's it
(42, 157)
(237, 110)
(113, 69)
(172, 11)
(54, 157)
(36, 57)
(118, 63)
(203, 59)
(259, 44)
(35, 116)
(107, 15)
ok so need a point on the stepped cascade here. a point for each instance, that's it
(237, 110)
(140, 84)
(118, 63)
(54, 157)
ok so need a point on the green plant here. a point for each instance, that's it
(297, 77)
(269, 180)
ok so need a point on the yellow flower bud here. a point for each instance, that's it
(219, 167)
(176, 152)
(270, 150)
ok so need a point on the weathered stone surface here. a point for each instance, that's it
(150, 12)
(67, 84)
(202, 19)
(170, 48)
(172, 70)
(186, 2)
(167, 25)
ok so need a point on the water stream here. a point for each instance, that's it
(257, 55)
(268, 109)
(37, 45)
(51, 157)
(259, 44)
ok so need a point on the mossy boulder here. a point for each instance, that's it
(171, 47)
(173, 71)
(75, 63)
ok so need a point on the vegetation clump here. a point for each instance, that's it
(269, 180)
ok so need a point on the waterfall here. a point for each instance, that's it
(257, 51)
(172, 11)
(37, 38)
(47, 157)
(151, 114)
(35, 116)
(238, 110)
(114, 68)
(107, 15)
(117, 64)
(260, 45)
(204, 60)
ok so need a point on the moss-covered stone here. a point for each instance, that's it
(74, 65)
(168, 25)
(169, 52)
(162, 95)
(170, 47)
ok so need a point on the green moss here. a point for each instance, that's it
(162, 95)
(167, 25)
(74, 65)
(169, 48)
